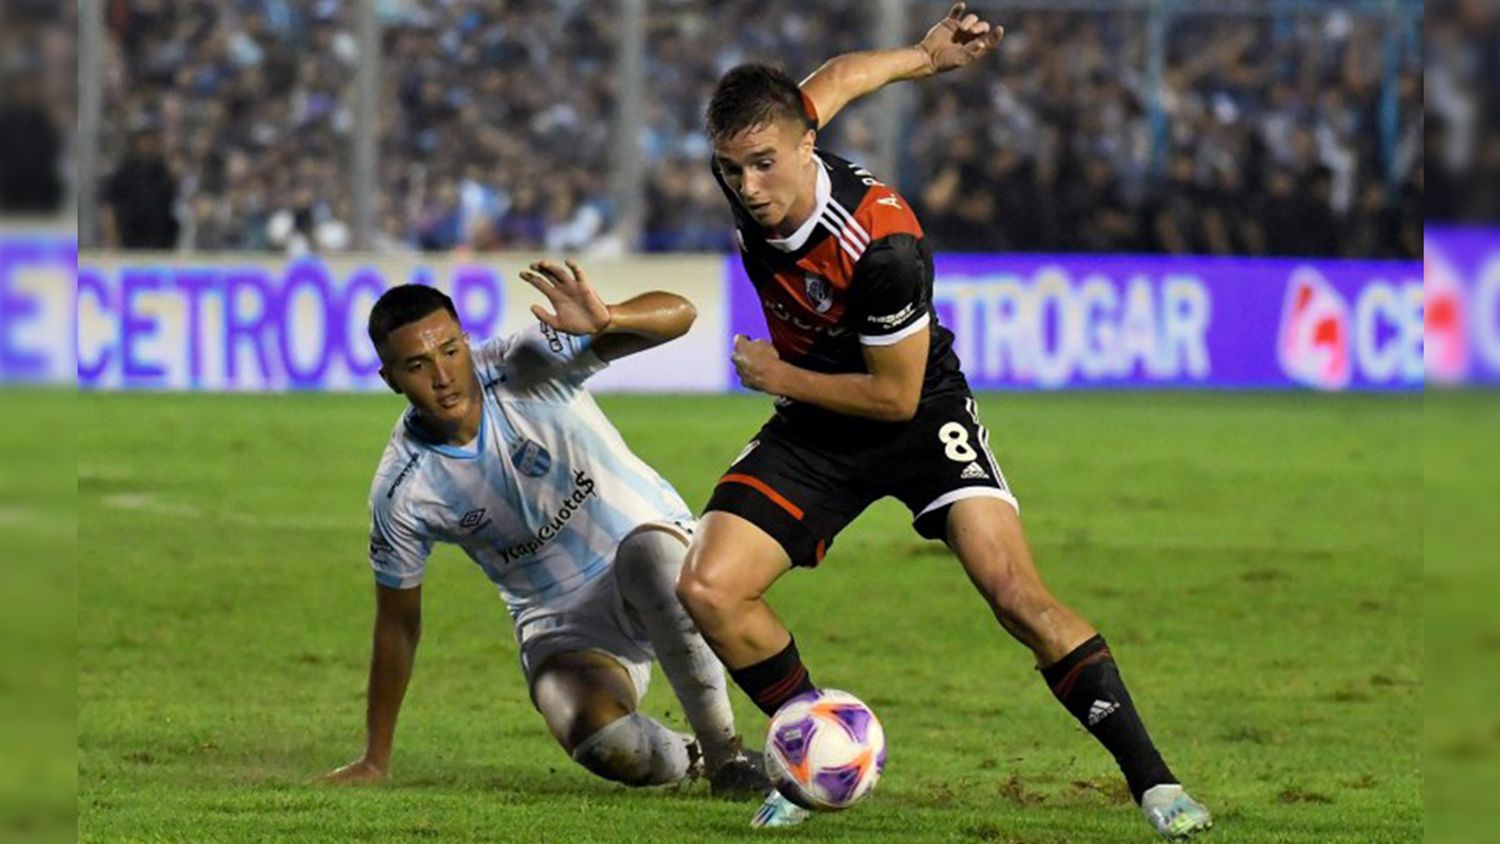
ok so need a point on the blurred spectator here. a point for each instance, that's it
(30, 147)
(1461, 138)
(38, 61)
(140, 196)
(1298, 219)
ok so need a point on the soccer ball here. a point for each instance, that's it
(825, 750)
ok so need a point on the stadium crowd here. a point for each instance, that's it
(1462, 82)
(1271, 141)
(38, 97)
(495, 127)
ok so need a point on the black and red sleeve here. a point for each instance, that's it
(891, 293)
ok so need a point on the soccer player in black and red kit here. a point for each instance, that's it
(871, 402)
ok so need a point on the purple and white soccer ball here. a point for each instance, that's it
(825, 750)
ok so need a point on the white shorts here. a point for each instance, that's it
(592, 618)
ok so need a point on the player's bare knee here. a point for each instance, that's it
(1012, 589)
(707, 598)
(995, 573)
(1025, 607)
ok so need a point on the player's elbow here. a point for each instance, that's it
(905, 411)
(678, 317)
(687, 315)
(897, 404)
(895, 411)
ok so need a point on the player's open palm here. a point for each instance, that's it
(358, 771)
(576, 308)
(960, 39)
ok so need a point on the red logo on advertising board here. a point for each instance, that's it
(1445, 348)
(1313, 346)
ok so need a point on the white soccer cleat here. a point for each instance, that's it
(778, 811)
(1173, 813)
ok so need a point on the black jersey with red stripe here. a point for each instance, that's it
(857, 273)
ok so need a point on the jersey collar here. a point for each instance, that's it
(453, 451)
(798, 239)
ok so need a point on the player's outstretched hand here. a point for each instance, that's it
(576, 308)
(358, 771)
(756, 361)
(960, 39)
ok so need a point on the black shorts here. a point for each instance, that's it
(803, 488)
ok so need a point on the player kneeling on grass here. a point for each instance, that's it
(505, 454)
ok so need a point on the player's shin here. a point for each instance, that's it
(635, 750)
(647, 565)
(1087, 683)
(774, 681)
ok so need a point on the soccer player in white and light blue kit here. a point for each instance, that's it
(505, 454)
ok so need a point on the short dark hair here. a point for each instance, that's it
(754, 95)
(402, 305)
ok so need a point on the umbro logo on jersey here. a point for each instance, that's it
(973, 471)
(530, 459)
(888, 200)
(473, 520)
(1100, 710)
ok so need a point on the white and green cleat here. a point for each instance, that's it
(1174, 813)
(778, 811)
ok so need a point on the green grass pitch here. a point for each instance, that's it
(1256, 562)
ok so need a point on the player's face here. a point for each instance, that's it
(428, 361)
(767, 167)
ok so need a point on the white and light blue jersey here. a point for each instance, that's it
(540, 500)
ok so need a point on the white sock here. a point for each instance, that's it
(647, 565)
(635, 750)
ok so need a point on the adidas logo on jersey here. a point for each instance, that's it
(974, 471)
(1100, 710)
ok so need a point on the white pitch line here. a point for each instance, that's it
(146, 502)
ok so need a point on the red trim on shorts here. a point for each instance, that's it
(764, 489)
(820, 551)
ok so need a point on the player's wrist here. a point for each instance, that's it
(779, 378)
(923, 61)
(612, 317)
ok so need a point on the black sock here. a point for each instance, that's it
(774, 681)
(1087, 683)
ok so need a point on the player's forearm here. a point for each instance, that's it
(394, 654)
(845, 78)
(852, 394)
(657, 316)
